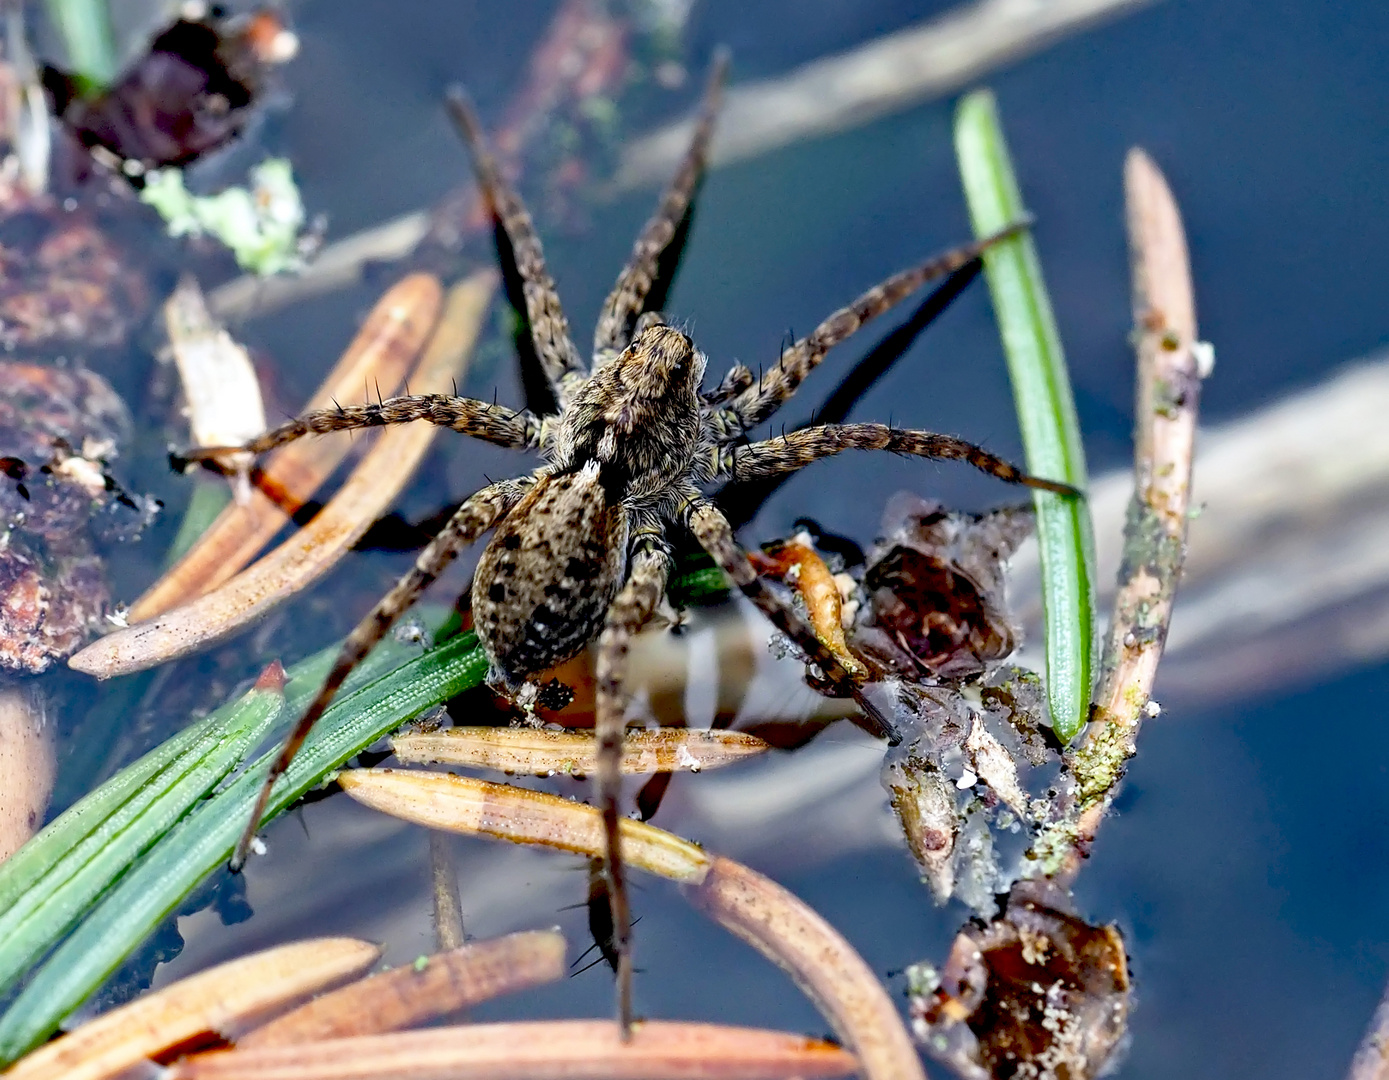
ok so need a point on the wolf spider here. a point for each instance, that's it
(580, 548)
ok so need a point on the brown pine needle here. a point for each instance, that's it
(316, 548)
(541, 1050)
(772, 920)
(785, 930)
(432, 987)
(542, 753)
(479, 808)
(379, 357)
(206, 1006)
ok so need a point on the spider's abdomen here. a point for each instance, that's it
(546, 579)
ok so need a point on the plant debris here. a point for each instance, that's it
(260, 223)
(935, 590)
(1037, 992)
(190, 94)
(58, 430)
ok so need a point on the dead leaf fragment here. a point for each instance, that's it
(541, 1050)
(1036, 992)
(202, 1007)
(479, 808)
(541, 753)
(408, 996)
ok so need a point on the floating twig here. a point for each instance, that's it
(1169, 388)
(539, 1050)
(377, 359)
(479, 808)
(203, 1007)
(411, 995)
(314, 549)
(541, 753)
(828, 970)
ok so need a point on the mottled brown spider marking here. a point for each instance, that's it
(548, 575)
(474, 517)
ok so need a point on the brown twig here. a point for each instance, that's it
(316, 548)
(1169, 388)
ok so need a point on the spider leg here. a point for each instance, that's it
(482, 420)
(797, 449)
(477, 514)
(629, 296)
(757, 403)
(715, 535)
(631, 608)
(559, 357)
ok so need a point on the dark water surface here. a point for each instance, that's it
(1247, 865)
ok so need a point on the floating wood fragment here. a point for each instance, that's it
(201, 1008)
(377, 360)
(541, 753)
(314, 549)
(479, 808)
(432, 987)
(540, 1050)
(219, 383)
(826, 967)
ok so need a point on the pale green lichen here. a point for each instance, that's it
(260, 224)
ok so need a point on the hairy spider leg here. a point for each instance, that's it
(564, 368)
(517, 430)
(797, 449)
(757, 403)
(631, 608)
(628, 298)
(477, 514)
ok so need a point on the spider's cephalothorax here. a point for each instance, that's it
(580, 548)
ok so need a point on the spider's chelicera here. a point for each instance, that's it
(580, 547)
